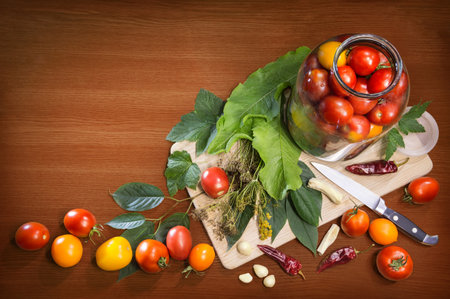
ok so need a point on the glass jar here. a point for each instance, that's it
(350, 90)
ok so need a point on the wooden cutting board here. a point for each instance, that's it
(416, 167)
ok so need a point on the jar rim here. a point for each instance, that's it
(383, 44)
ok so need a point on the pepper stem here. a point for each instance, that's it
(402, 162)
(301, 274)
(364, 250)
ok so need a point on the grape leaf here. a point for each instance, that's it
(171, 221)
(255, 98)
(280, 172)
(181, 172)
(306, 233)
(136, 236)
(199, 125)
(307, 201)
(407, 124)
(138, 196)
(127, 221)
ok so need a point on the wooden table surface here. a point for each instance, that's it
(90, 89)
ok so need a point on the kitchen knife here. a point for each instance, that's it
(376, 203)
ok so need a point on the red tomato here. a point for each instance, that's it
(335, 110)
(32, 236)
(380, 80)
(357, 128)
(80, 222)
(398, 93)
(312, 62)
(361, 105)
(152, 256)
(363, 60)
(384, 113)
(215, 182)
(394, 263)
(179, 242)
(422, 190)
(348, 77)
(315, 84)
(355, 222)
(383, 60)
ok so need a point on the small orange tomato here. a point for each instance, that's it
(67, 250)
(383, 231)
(201, 257)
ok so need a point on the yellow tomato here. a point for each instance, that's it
(67, 250)
(375, 130)
(114, 254)
(326, 54)
(383, 231)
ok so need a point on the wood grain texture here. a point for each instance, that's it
(90, 89)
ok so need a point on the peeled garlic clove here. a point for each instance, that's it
(269, 281)
(329, 238)
(245, 248)
(260, 270)
(246, 278)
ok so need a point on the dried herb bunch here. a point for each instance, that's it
(242, 168)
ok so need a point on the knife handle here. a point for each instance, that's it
(410, 228)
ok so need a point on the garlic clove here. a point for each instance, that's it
(245, 248)
(246, 278)
(269, 281)
(260, 270)
(328, 239)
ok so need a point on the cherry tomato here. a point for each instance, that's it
(383, 231)
(152, 256)
(355, 222)
(394, 263)
(363, 60)
(32, 236)
(357, 128)
(375, 130)
(422, 190)
(348, 77)
(179, 242)
(398, 93)
(312, 62)
(384, 113)
(80, 222)
(215, 182)
(361, 105)
(67, 250)
(335, 110)
(326, 52)
(315, 84)
(383, 60)
(201, 257)
(114, 254)
(380, 80)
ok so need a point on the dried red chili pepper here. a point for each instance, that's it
(340, 256)
(289, 264)
(375, 167)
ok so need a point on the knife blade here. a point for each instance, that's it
(376, 203)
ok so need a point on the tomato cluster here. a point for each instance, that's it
(362, 69)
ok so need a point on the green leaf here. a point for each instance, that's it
(136, 236)
(416, 111)
(241, 223)
(394, 139)
(407, 126)
(181, 172)
(307, 201)
(199, 125)
(256, 97)
(306, 233)
(127, 221)
(280, 172)
(169, 222)
(276, 209)
(138, 196)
